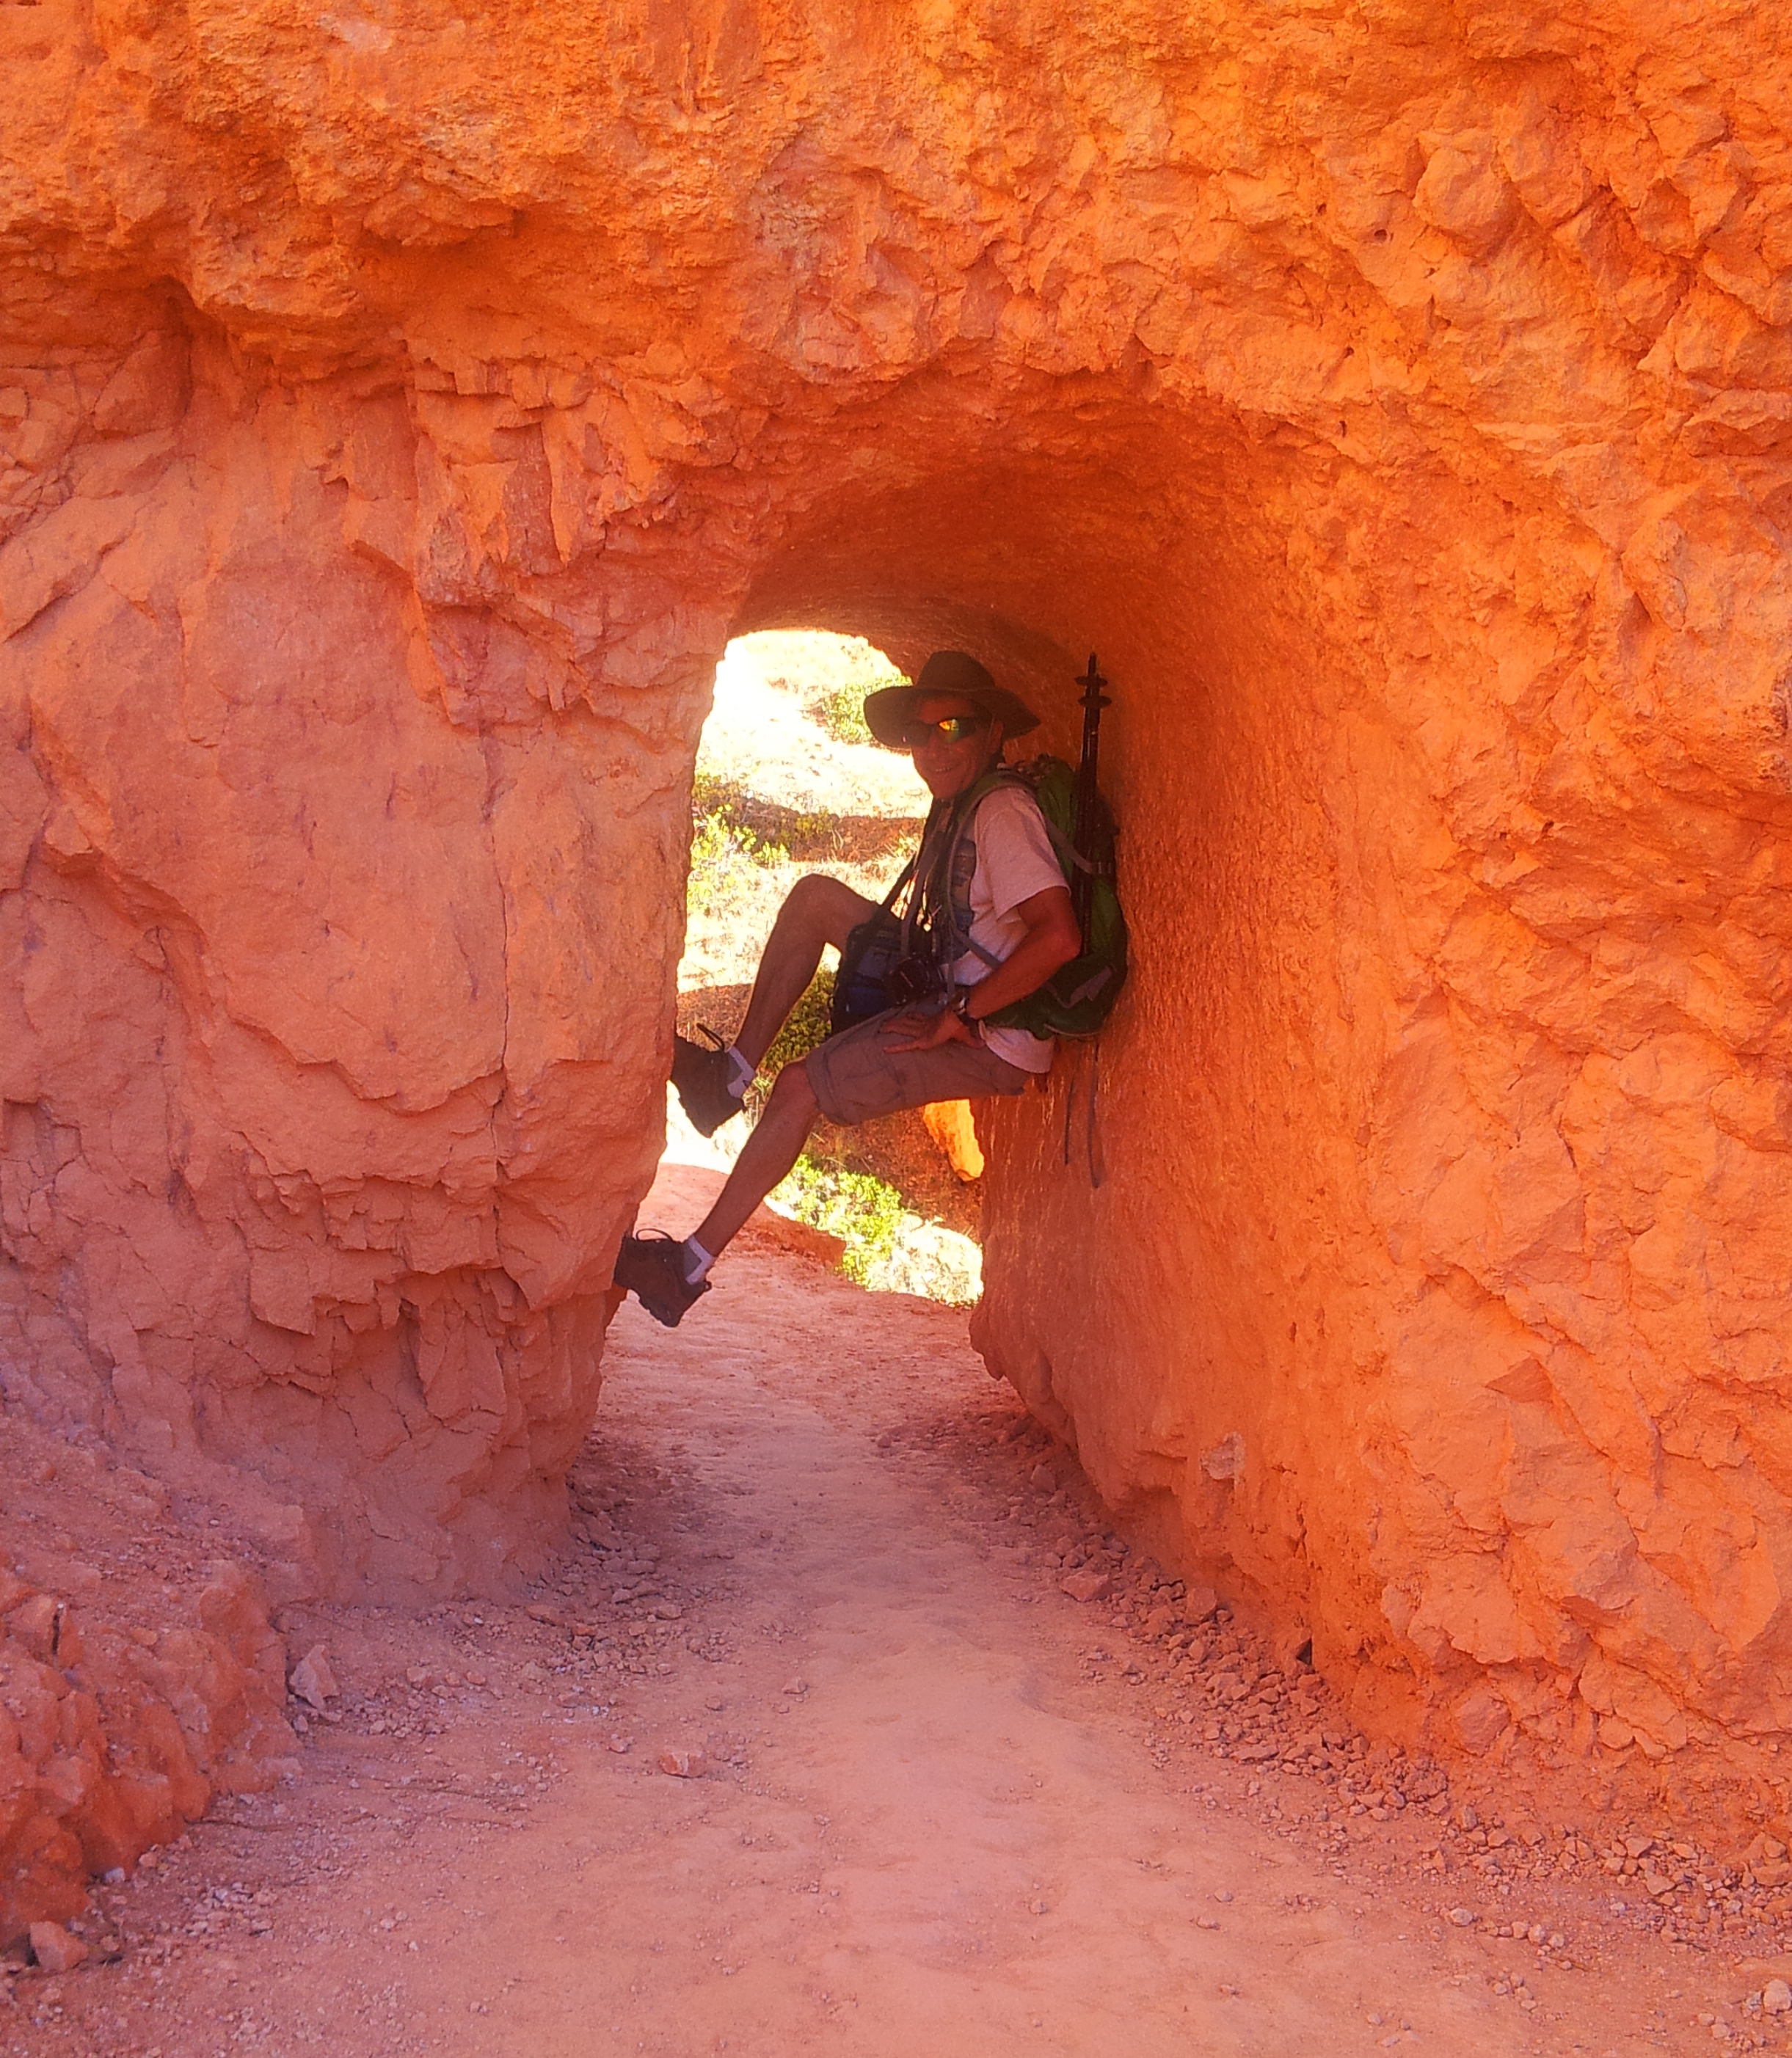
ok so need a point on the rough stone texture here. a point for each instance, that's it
(111, 1740)
(403, 410)
(140, 1670)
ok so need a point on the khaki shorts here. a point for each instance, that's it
(855, 1077)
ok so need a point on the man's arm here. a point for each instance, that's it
(1052, 939)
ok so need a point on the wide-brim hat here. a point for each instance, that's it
(889, 710)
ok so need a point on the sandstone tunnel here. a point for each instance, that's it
(1396, 400)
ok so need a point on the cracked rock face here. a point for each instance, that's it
(400, 413)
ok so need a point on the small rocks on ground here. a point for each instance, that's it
(54, 1948)
(312, 1681)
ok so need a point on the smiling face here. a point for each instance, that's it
(948, 765)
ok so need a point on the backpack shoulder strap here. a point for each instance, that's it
(992, 782)
(920, 870)
(900, 881)
(1068, 854)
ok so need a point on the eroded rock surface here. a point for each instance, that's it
(138, 1678)
(403, 410)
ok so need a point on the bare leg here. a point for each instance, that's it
(817, 911)
(769, 1153)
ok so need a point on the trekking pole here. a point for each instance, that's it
(1088, 797)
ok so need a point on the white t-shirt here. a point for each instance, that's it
(1015, 862)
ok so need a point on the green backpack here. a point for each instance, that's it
(1076, 1000)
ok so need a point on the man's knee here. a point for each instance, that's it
(812, 895)
(792, 1092)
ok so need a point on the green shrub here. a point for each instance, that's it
(807, 1025)
(888, 1251)
(840, 710)
(724, 852)
(708, 794)
(863, 1212)
(835, 697)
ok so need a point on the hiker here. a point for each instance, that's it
(1021, 928)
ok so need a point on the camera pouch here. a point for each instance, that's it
(873, 950)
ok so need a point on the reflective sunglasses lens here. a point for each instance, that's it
(953, 729)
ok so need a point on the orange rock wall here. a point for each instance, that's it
(305, 1074)
(404, 409)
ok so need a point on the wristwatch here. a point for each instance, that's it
(961, 1008)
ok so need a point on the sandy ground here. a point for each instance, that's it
(927, 1803)
(759, 736)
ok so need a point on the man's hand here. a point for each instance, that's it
(917, 1029)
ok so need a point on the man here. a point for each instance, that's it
(954, 721)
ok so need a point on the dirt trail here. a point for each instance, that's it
(940, 1807)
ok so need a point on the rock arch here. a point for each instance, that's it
(396, 434)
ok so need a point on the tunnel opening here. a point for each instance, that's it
(1200, 1325)
(788, 783)
(1182, 557)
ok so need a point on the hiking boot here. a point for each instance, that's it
(699, 1073)
(652, 1267)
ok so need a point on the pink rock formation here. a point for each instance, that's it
(113, 1741)
(401, 412)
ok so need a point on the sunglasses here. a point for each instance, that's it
(953, 729)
